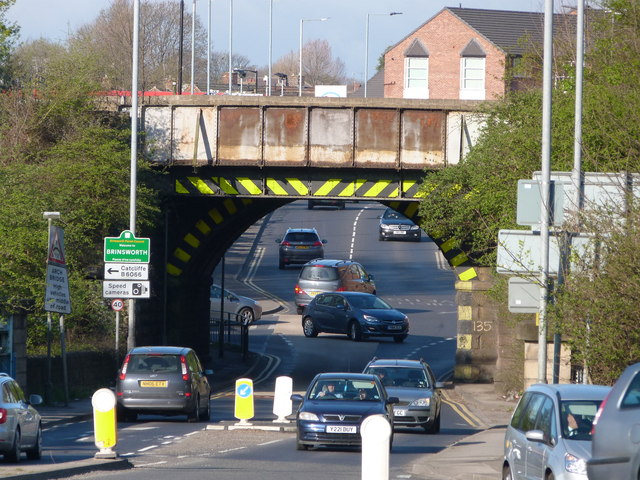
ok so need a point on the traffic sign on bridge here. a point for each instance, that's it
(127, 248)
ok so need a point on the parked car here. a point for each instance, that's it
(334, 407)
(319, 276)
(358, 315)
(163, 380)
(20, 423)
(414, 383)
(236, 307)
(394, 225)
(326, 202)
(549, 436)
(616, 437)
(299, 245)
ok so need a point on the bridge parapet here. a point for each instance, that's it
(237, 131)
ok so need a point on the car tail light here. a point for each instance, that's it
(285, 244)
(341, 289)
(123, 371)
(3, 415)
(185, 370)
(297, 290)
(317, 244)
(598, 413)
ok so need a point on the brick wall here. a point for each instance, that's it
(444, 36)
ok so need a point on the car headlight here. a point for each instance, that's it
(384, 226)
(308, 416)
(370, 319)
(575, 464)
(414, 227)
(421, 402)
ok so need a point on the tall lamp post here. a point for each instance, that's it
(270, 47)
(230, 40)
(366, 48)
(302, 20)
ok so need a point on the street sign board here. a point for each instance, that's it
(530, 202)
(519, 251)
(126, 289)
(126, 249)
(57, 298)
(117, 304)
(126, 271)
(524, 295)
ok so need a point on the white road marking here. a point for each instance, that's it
(269, 443)
(232, 450)
(149, 464)
(147, 448)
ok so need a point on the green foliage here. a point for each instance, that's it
(8, 32)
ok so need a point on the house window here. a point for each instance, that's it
(472, 78)
(416, 77)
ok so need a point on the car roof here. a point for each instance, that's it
(349, 294)
(328, 262)
(395, 362)
(159, 349)
(346, 376)
(301, 230)
(572, 391)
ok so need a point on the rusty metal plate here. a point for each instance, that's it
(330, 137)
(284, 136)
(377, 137)
(422, 139)
(239, 136)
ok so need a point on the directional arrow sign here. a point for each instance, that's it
(126, 271)
(126, 248)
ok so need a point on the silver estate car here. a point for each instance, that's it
(20, 423)
(549, 436)
(236, 307)
(616, 436)
(163, 380)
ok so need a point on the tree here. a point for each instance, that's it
(8, 32)
(318, 65)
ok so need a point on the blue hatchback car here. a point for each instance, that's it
(356, 314)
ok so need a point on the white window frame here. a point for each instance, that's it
(475, 92)
(420, 91)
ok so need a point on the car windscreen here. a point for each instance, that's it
(345, 389)
(368, 302)
(319, 273)
(393, 215)
(577, 417)
(301, 237)
(401, 376)
(149, 363)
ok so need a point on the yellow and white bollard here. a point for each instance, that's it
(244, 401)
(104, 423)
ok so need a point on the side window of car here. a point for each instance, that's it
(7, 395)
(18, 395)
(631, 398)
(531, 412)
(518, 414)
(545, 418)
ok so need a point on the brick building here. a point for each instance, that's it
(462, 53)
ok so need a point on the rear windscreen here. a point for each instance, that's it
(316, 273)
(153, 363)
(305, 237)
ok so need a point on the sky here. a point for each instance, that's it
(345, 28)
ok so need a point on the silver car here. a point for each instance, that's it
(549, 436)
(20, 423)
(236, 307)
(616, 437)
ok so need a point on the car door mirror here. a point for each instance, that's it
(324, 241)
(439, 385)
(392, 400)
(535, 436)
(371, 277)
(296, 397)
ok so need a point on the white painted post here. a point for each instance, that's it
(282, 404)
(376, 434)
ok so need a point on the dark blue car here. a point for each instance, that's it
(358, 315)
(334, 407)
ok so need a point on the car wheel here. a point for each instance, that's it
(193, 415)
(399, 338)
(506, 473)
(35, 452)
(299, 310)
(380, 238)
(550, 476)
(125, 415)
(13, 455)
(206, 415)
(281, 265)
(301, 446)
(309, 328)
(355, 333)
(437, 424)
(309, 205)
(246, 316)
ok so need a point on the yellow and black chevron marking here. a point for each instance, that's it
(183, 254)
(296, 187)
(448, 247)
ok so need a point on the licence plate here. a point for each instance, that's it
(302, 247)
(395, 327)
(313, 293)
(340, 429)
(399, 232)
(400, 413)
(153, 383)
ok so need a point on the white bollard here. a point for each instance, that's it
(282, 404)
(376, 434)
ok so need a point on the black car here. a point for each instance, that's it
(358, 315)
(334, 407)
(300, 245)
(394, 225)
(326, 202)
(163, 380)
(414, 383)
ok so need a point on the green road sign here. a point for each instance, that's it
(126, 249)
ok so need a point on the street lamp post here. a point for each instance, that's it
(230, 40)
(193, 45)
(49, 216)
(270, 47)
(366, 48)
(302, 20)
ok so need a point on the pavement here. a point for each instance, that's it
(475, 457)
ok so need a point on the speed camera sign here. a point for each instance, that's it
(117, 304)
